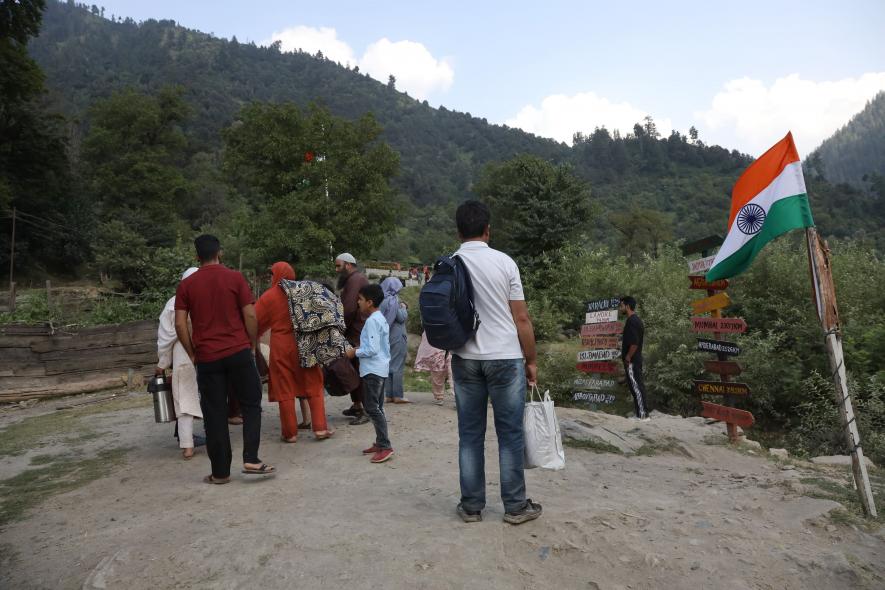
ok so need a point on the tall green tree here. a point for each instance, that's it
(35, 176)
(134, 159)
(536, 206)
(315, 183)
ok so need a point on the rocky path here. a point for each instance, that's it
(674, 512)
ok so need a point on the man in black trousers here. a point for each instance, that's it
(220, 339)
(631, 354)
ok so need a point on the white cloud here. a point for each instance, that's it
(414, 67)
(311, 40)
(750, 116)
(559, 116)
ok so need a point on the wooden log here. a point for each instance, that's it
(100, 340)
(88, 353)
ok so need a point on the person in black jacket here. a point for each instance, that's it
(631, 354)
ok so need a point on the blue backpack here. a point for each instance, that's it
(446, 302)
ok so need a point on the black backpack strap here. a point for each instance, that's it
(469, 284)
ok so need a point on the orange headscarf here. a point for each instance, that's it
(280, 271)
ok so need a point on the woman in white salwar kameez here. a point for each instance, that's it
(185, 394)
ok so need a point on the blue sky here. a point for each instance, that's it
(742, 73)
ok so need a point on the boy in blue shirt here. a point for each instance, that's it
(374, 355)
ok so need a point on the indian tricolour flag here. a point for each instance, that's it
(768, 199)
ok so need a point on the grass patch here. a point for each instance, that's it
(841, 491)
(417, 380)
(31, 487)
(666, 444)
(596, 446)
(37, 431)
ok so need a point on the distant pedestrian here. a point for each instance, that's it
(426, 273)
(496, 364)
(220, 339)
(374, 355)
(350, 281)
(631, 354)
(396, 313)
(439, 364)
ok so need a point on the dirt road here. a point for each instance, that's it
(675, 513)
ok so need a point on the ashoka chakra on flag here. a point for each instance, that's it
(767, 200)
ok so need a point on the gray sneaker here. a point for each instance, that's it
(469, 515)
(530, 511)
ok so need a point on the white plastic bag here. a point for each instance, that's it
(543, 441)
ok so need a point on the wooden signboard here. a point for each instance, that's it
(701, 245)
(742, 418)
(598, 355)
(699, 282)
(701, 265)
(603, 304)
(593, 384)
(593, 398)
(598, 367)
(725, 325)
(718, 346)
(599, 317)
(600, 329)
(601, 341)
(721, 388)
(717, 301)
(723, 367)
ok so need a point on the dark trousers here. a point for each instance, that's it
(373, 404)
(633, 371)
(239, 373)
(356, 396)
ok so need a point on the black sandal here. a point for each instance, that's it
(265, 469)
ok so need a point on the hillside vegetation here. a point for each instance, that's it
(643, 189)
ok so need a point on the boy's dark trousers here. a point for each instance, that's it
(239, 373)
(373, 403)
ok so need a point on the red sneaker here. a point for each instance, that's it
(371, 450)
(382, 455)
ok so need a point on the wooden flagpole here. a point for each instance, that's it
(828, 313)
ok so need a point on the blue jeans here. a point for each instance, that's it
(476, 382)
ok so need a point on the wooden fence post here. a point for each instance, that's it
(11, 297)
(48, 293)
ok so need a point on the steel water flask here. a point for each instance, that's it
(164, 407)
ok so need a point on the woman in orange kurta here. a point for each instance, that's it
(287, 378)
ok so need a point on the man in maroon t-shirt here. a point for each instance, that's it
(221, 342)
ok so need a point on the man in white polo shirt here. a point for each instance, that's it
(494, 365)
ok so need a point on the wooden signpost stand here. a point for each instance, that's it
(600, 334)
(715, 323)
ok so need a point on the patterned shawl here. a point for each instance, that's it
(318, 320)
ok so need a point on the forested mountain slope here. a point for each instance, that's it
(857, 149)
(646, 189)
